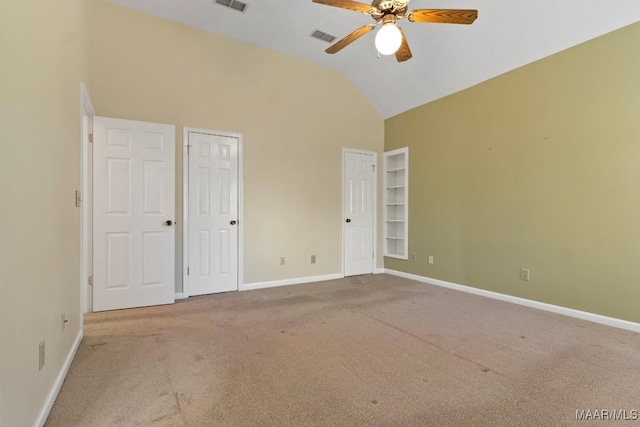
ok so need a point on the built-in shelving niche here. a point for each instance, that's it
(396, 203)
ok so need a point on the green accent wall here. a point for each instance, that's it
(538, 168)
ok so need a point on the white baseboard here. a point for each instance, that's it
(591, 317)
(57, 385)
(180, 295)
(378, 271)
(286, 282)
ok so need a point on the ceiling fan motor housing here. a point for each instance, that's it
(395, 7)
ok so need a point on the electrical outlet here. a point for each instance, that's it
(525, 274)
(313, 259)
(430, 259)
(41, 355)
(281, 260)
(414, 257)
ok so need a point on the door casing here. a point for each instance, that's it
(185, 206)
(86, 201)
(374, 202)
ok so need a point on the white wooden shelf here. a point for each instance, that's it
(396, 212)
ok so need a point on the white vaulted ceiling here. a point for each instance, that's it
(446, 58)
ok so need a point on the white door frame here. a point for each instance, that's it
(185, 205)
(86, 117)
(374, 207)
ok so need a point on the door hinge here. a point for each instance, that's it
(188, 149)
(90, 280)
(374, 167)
(187, 271)
(78, 199)
(373, 254)
(91, 137)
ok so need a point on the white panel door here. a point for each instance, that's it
(134, 213)
(358, 205)
(213, 213)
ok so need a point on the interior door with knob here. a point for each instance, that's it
(133, 214)
(213, 229)
(359, 212)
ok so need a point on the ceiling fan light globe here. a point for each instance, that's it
(388, 39)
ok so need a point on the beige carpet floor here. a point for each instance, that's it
(362, 351)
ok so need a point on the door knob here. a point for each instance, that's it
(348, 219)
(233, 222)
(168, 223)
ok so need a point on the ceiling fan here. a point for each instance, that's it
(390, 38)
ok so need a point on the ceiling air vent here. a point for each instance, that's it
(323, 36)
(233, 4)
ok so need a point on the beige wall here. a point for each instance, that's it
(295, 118)
(43, 56)
(537, 168)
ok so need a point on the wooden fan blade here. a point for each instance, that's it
(403, 53)
(350, 38)
(347, 4)
(443, 16)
